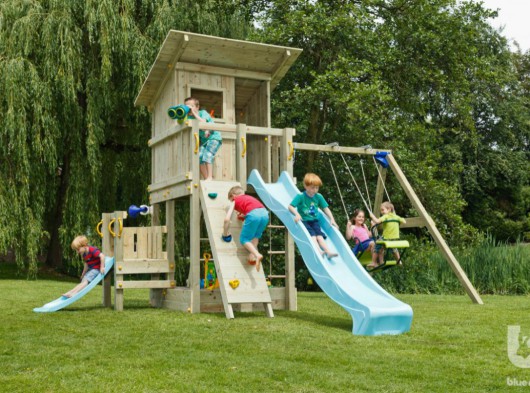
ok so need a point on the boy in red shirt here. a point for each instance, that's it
(255, 218)
(94, 263)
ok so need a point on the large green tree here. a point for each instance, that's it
(430, 79)
(71, 143)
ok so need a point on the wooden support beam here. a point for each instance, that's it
(431, 226)
(170, 239)
(151, 284)
(286, 164)
(338, 149)
(195, 231)
(414, 222)
(228, 129)
(241, 156)
(107, 247)
(118, 258)
(237, 73)
(171, 67)
(172, 181)
(167, 134)
(279, 67)
(379, 191)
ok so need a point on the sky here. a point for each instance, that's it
(514, 15)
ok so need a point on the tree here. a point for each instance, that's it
(70, 138)
(420, 77)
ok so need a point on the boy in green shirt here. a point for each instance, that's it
(305, 208)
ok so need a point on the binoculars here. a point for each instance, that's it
(143, 210)
(178, 112)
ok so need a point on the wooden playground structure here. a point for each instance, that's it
(234, 79)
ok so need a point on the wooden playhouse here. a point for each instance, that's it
(234, 79)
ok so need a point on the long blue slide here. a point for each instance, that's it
(64, 301)
(374, 311)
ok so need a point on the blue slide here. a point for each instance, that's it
(374, 311)
(64, 301)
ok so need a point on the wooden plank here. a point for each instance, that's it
(281, 64)
(145, 284)
(139, 266)
(414, 222)
(229, 111)
(433, 230)
(142, 246)
(174, 131)
(338, 149)
(183, 43)
(179, 298)
(172, 192)
(236, 73)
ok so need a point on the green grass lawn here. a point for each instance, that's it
(454, 346)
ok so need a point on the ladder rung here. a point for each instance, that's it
(277, 226)
(276, 276)
(204, 239)
(275, 252)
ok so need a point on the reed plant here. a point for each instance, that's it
(493, 267)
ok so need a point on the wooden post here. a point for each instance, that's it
(275, 158)
(379, 191)
(287, 151)
(170, 239)
(155, 294)
(241, 155)
(118, 217)
(286, 164)
(431, 226)
(195, 223)
(107, 249)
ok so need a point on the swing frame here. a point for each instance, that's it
(423, 219)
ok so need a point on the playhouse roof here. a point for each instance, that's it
(242, 59)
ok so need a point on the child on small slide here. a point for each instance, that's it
(94, 263)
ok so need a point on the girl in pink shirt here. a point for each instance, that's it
(357, 229)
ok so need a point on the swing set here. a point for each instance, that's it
(385, 160)
(392, 249)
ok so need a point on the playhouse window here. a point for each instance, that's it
(210, 100)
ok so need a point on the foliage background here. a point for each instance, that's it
(430, 80)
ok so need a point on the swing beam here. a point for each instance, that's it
(424, 219)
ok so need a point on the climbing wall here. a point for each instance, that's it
(239, 282)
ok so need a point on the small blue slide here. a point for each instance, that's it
(374, 311)
(64, 301)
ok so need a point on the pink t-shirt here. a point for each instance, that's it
(360, 233)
